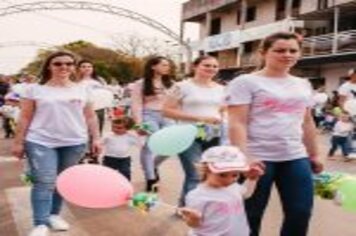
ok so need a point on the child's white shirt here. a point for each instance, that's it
(222, 210)
(120, 146)
(11, 112)
(342, 129)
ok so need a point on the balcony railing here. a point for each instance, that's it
(342, 42)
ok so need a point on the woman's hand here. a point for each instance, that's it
(96, 147)
(210, 120)
(18, 150)
(257, 169)
(316, 165)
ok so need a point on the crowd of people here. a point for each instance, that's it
(259, 133)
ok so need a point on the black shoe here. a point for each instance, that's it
(152, 185)
(157, 175)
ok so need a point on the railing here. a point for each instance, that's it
(342, 42)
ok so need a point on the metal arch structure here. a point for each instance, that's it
(25, 43)
(91, 6)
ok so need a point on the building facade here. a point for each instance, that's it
(232, 30)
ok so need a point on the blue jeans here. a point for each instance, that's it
(45, 164)
(294, 183)
(189, 158)
(338, 141)
(149, 162)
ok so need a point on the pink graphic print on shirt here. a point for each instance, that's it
(291, 106)
(228, 208)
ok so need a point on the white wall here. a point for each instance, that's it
(333, 72)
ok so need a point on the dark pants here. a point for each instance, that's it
(101, 119)
(122, 164)
(337, 141)
(189, 158)
(294, 183)
(9, 127)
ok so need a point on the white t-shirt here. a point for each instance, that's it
(342, 129)
(277, 110)
(119, 146)
(222, 209)
(348, 89)
(198, 100)
(59, 115)
(102, 97)
(9, 111)
(20, 88)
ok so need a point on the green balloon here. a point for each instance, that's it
(347, 191)
(172, 140)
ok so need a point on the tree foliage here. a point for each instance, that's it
(109, 64)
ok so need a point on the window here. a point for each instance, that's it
(322, 4)
(215, 26)
(248, 47)
(251, 14)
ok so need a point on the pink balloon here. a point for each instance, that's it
(94, 186)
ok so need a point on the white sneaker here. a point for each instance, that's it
(57, 223)
(39, 230)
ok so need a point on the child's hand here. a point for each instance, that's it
(191, 217)
(257, 169)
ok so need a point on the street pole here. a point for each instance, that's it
(336, 28)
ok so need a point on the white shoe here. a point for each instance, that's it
(40, 230)
(57, 223)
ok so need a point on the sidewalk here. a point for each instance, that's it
(328, 219)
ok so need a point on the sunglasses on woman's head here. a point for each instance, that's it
(57, 63)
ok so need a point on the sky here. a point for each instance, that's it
(22, 34)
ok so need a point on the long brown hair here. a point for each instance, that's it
(94, 75)
(45, 73)
(167, 80)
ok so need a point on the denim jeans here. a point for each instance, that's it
(122, 165)
(294, 184)
(337, 141)
(45, 164)
(189, 158)
(149, 162)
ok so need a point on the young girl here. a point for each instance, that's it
(118, 145)
(341, 131)
(216, 206)
(10, 112)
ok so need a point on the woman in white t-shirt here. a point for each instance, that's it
(347, 90)
(270, 120)
(52, 132)
(147, 96)
(197, 100)
(87, 76)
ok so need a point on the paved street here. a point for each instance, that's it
(328, 219)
